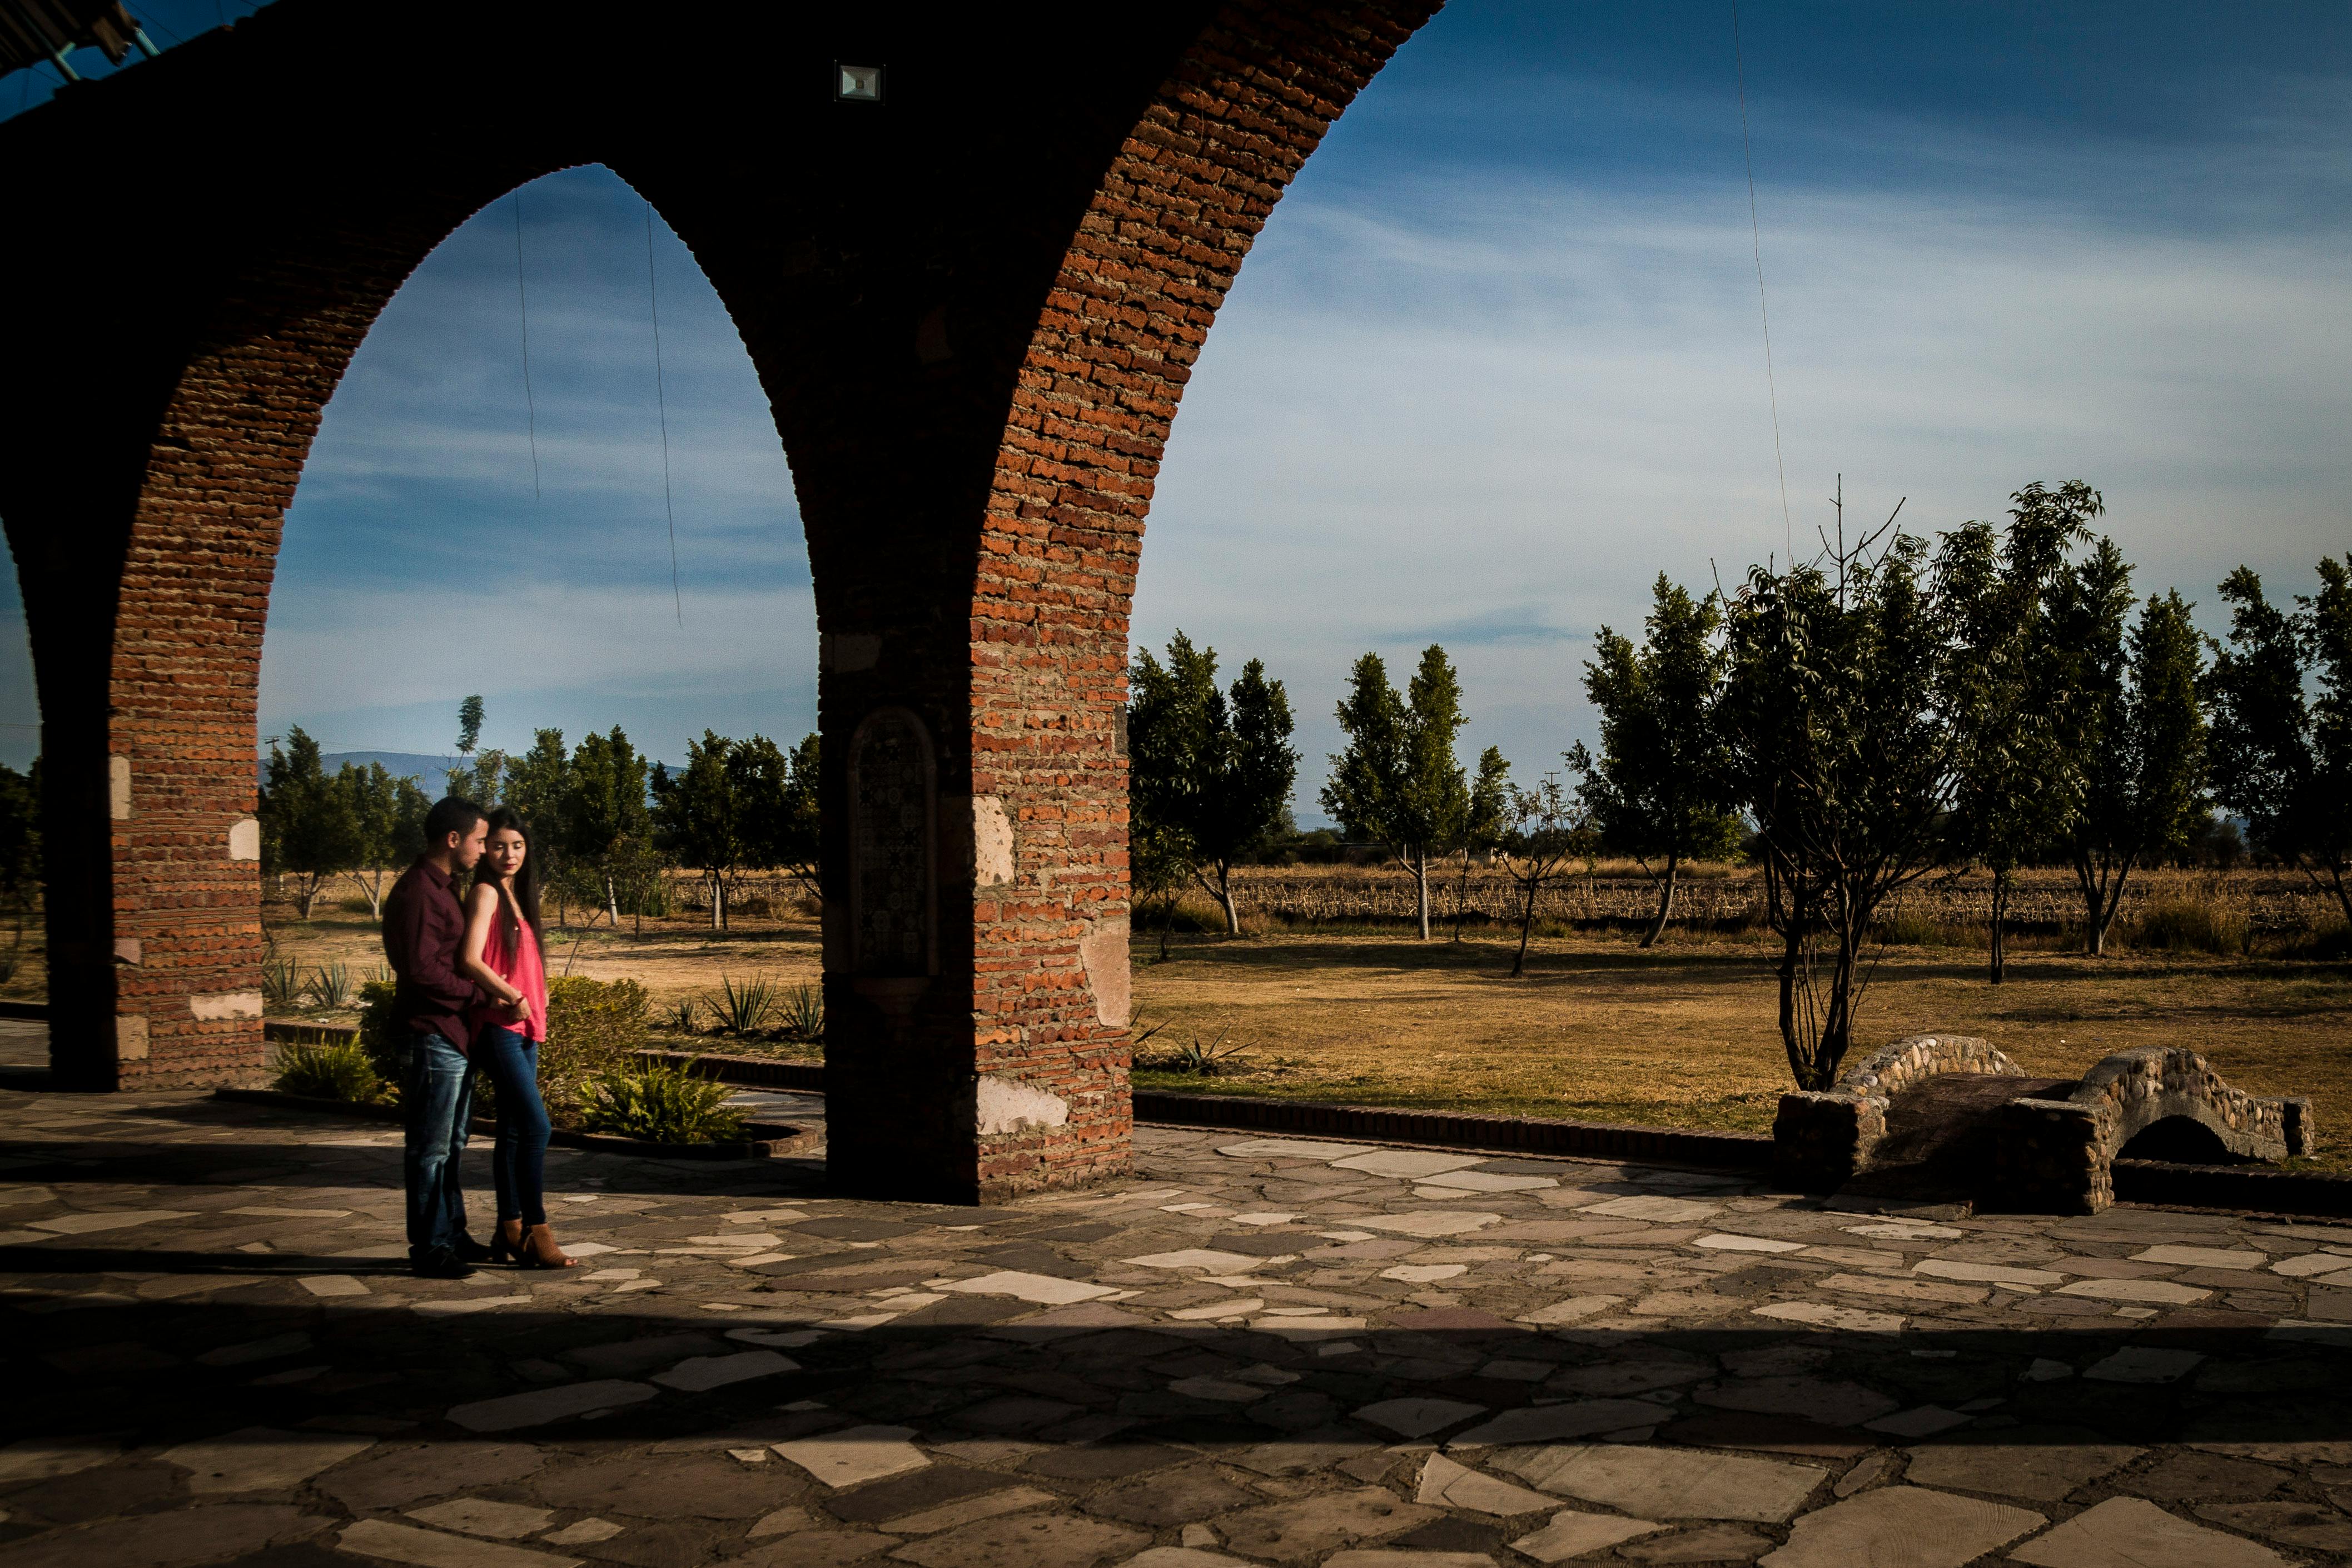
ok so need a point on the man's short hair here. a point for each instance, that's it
(450, 814)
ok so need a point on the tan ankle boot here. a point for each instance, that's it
(506, 1246)
(538, 1250)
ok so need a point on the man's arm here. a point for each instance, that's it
(424, 950)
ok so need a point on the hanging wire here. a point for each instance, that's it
(661, 400)
(1756, 238)
(523, 304)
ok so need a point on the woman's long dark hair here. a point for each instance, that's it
(526, 881)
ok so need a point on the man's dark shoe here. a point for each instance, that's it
(469, 1250)
(439, 1264)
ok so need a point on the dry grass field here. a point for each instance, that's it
(1357, 1009)
(1684, 1035)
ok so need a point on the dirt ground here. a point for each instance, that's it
(1679, 1036)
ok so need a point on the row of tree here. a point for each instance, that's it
(606, 821)
(1895, 709)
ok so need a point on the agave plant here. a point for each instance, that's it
(281, 984)
(331, 986)
(803, 1012)
(741, 1009)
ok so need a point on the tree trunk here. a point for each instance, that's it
(1665, 902)
(1800, 1058)
(1462, 892)
(306, 893)
(612, 901)
(716, 900)
(1527, 925)
(2001, 878)
(1167, 924)
(1421, 888)
(1225, 891)
(2087, 882)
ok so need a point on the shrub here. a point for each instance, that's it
(592, 1027)
(660, 1105)
(379, 1039)
(330, 1073)
(2330, 942)
(2191, 925)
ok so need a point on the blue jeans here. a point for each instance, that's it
(436, 1092)
(518, 1156)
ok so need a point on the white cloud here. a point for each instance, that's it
(1492, 406)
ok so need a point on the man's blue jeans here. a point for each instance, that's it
(437, 1094)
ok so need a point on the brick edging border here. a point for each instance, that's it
(1458, 1129)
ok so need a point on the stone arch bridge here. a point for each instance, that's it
(973, 306)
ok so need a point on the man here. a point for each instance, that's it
(424, 921)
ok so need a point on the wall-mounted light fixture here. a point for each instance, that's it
(857, 84)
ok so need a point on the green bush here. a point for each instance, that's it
(378, 1039)
(2191, 925)
(330, 1073)
(660, 1105)
(592, 1027)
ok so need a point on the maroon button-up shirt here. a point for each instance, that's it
(423, 925)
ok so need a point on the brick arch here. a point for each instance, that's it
(973, 309)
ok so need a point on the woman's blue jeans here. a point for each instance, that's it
(519, 1153)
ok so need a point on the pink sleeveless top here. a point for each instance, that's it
(518, 966)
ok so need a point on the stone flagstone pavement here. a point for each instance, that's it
(1257, 1351)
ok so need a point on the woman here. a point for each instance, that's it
(500, 952)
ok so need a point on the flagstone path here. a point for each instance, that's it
(1277, 1351)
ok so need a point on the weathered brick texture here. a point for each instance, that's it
(973, 307)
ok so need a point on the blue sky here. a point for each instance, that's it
(1495, 363)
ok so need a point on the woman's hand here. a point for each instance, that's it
(518, 1009)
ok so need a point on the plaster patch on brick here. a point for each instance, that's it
(127, 950)
(245, 840)
(118, 787)
(1009, 1105)
(992, 842)
(214, 1005)
(130, 1038)
(1103, 951)
(847, 652)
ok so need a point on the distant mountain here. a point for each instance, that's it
(431, 773)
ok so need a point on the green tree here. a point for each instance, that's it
(1398, 784)
(538, 783)
(2281, 759)
(1543, 829)
(309, 834)
(2008, 685)
(696, 818)
(792, 835)
(1482, 821)
(603, 810)
(387, 817)
(1212, 770)
(1660, 789)
(475, 778)
(1844, 761)
(2134, 729)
